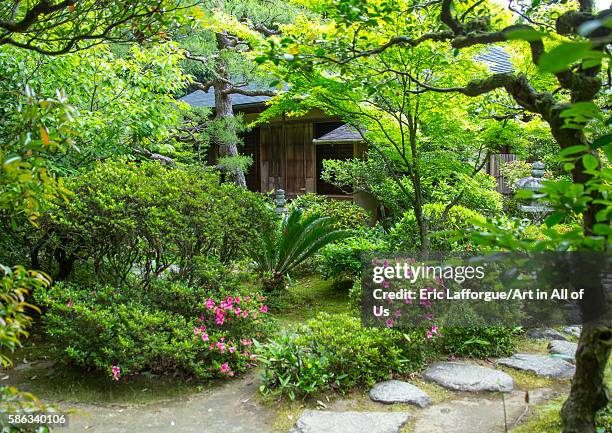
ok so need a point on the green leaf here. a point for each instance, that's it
(554, 219)
(590, 162)
(602, 141)
(560, 57)
(602, 229)
(572, 150)
(530, 35)
(608, 151)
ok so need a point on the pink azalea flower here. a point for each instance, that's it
(224, 368)
(385, 284)
(69, 304)
(428, 334)
(204, 337)
(434, 329)
(389, 323)
(248, 298)
(245, 314)
(398, 313)
(116, 372)
(232, 349)
(196, 331)
(201, 318)
(264, 309)
(210, 304)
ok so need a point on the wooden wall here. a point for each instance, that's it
(287, 157)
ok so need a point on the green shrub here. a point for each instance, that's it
(404, 235)
(134, 221)
(169, 328)
(337, 352)
(292, 241)
(342, 260)
(479, 342)
(465, 333)
(345, 213)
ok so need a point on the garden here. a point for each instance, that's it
(184, 247)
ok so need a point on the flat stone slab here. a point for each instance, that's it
(476, 413)
(545, 333)
(565, 348)
(573, 330)
(460, 376)
(541, 365)
(314, 421)
(396, 391)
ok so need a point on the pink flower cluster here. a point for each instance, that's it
(231, 308)
(433, 331)
(229, 353)
(116, 371)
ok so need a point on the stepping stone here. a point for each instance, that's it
(476, 413)
(545, 333)
(314, 421)
(460, 376)
(541, 365)
(396, 391)
(566, 348)
(573, 330)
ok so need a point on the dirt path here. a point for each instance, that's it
(229, 408)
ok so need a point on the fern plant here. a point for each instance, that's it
(293, 240)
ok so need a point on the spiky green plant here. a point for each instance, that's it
(296, 238)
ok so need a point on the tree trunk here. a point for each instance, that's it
(224, 110)
(589, 393)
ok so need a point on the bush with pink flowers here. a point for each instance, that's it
(125, 331)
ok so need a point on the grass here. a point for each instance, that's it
(547, 418)
(67, 383)
(308, 296)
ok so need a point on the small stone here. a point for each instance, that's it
(460, 376)
(565, 348)
(545, 333)
(573, 330)
(541, 365)
(313, 421)
(396, 391)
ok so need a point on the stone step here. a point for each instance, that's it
(545, 333)
(565, 348)
(314, 421)
(397, 391)
(542, 365)
(461, 376)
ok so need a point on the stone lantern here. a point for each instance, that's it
(280, 203)
(536, 210)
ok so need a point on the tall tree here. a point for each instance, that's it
(568, 100)
(232, 30)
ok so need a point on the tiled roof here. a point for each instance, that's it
(344, 133)
(199, 98)
(498, 60)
